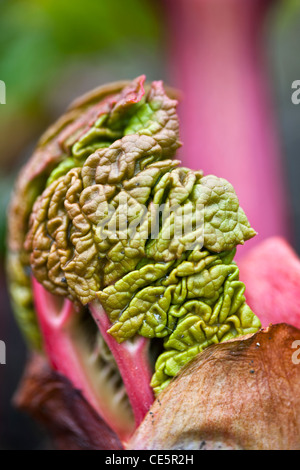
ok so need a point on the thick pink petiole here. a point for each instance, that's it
(63, 345)
(133, 364)
(216, 59)
(271, 273)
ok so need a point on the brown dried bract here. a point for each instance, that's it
(242, 394)
(70, 420)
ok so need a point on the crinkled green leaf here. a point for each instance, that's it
(226, 224)
(157, 117)
(116, 298)
(63, 168)
(124, 203)
(54, 148)
(78, 244)
(192, 303)
(201, 325)
(113, 217)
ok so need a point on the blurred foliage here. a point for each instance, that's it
(291, 6)
(288, 11)
(37, 38)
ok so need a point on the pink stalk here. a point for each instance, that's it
(227, 119)
(59, 327)
(271, 273)
(131, 358)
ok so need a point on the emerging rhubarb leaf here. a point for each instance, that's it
(104, 218)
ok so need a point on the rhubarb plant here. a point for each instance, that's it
(121, 262)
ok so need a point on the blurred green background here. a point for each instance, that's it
(51, 51)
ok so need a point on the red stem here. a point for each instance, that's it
(64, 348)
(133, 364)
(227, 119)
